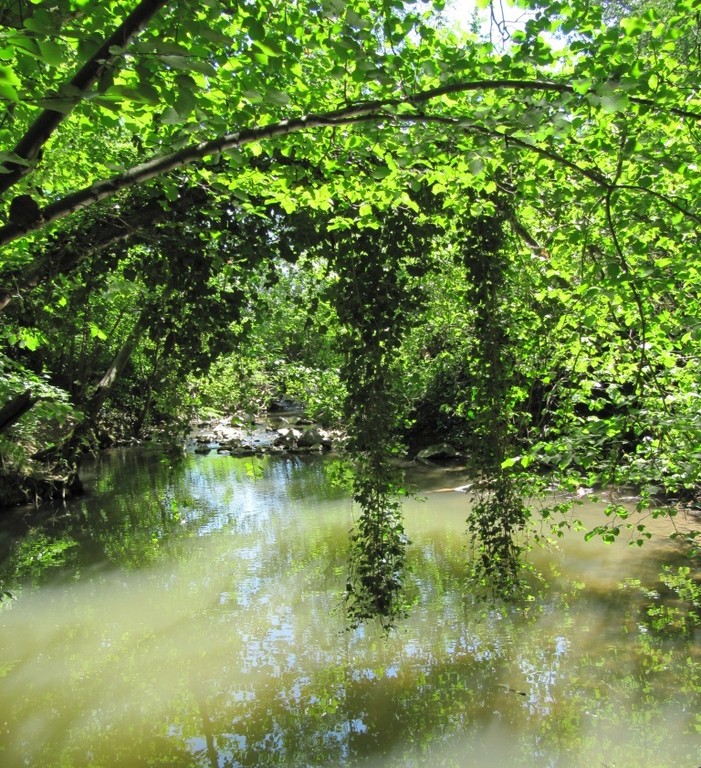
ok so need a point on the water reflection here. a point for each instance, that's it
(194, 620)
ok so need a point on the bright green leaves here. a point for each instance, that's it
(269, 48)
(619, 310)
(634, 27)
(96, 332)
(553, 124)
(9, 83)
(609, 99)
(25, 338)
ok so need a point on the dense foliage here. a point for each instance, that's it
(490, 242)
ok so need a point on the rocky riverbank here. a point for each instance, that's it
(248, 434)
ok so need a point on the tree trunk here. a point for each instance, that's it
(75, 444)
(106, 383)
(16, 408)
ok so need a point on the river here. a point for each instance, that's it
(191, 615)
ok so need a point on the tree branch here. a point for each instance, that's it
(66, 253)
(520, 230)
(16, 408)
(43, 127)
(368, 111)
(532, 85)
(186, 156)
(670, 201)
(507, 138)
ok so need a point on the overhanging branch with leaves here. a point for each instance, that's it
(366, 112)
(30, 145)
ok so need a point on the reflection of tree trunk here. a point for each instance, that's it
(18, 406)
(197, 692)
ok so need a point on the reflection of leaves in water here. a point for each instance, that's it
(253, 468)
(37, 552)
(141, 510)
(676, 607)
(6, 598)
(339, 473)
(244, 607)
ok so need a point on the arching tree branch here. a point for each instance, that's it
(370, 111)
(67, 252)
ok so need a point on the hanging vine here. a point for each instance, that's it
(376, 297)
(498, 513)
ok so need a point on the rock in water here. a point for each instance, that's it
(438, 452)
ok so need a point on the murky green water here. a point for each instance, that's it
(191, 617)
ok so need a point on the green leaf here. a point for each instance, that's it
(633, 27)
(147, 93)
(355, 20)
(8, 91)
(11, 157)
(97, 333)
(51, 52)
(188, 63)
(582, 86)
(8, 77)
(279, 98)
(288, 204)
(142, 93)
(255, 29)
(381, 172)
(186, 100)
(41, 22)
(171, 117)
(612, 101)
(29, 340)
(476, 166)
(255, 97)
(269, 48)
